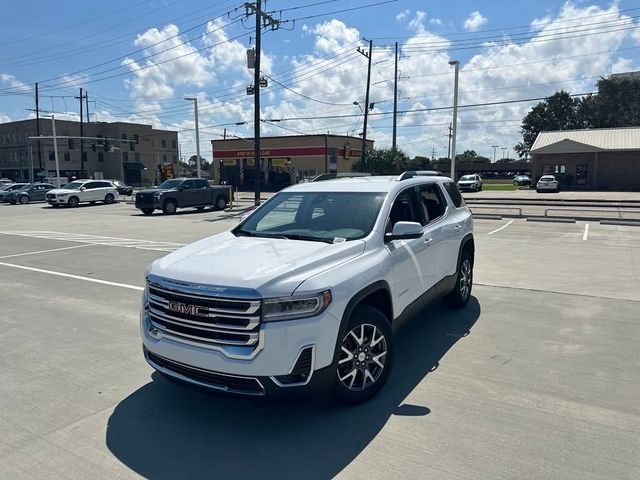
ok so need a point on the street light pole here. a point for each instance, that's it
(504, 150)
(195, 103)
(55, 149)
(456, 65)
(494, 152)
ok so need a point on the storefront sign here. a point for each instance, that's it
(279, 162)
(229, 162)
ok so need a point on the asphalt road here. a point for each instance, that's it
(536, 378)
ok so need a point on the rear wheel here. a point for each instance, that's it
(24, 199)
(109, 198)
(147, 211)
(365, 356)
(221, 202)
(73, 202)
(169, 207)
(461, 293)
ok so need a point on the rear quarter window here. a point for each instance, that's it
(454, 194)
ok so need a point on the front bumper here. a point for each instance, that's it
(57, 200)
(471, 186)
(259, 373)
(147, 203)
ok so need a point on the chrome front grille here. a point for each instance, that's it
(200, 318)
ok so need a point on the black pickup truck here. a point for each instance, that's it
(182, 193)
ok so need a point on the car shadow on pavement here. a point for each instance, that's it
(165, 430)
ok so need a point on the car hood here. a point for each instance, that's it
(271, 266)
(61, 190)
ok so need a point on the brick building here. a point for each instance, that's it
(603, 158)
(285, 160)
(139, 149)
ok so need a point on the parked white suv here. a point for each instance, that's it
(470, 182)
(81, 191)
(310, 288)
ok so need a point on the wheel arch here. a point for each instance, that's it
(467, 244)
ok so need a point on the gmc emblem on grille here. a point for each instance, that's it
(188, 309)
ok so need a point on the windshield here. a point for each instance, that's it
(468, 177)
(169, 184)
(547, 178)
(319, 216)
(73, 186)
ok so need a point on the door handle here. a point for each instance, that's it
(428, 241)
(457, 227)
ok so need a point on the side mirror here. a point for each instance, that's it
(82, 189)
(405, 231)
(181, 188)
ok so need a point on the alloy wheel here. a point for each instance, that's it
(465, 278)
(362, 357)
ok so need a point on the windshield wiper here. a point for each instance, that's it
(311, 238)
(247, 233)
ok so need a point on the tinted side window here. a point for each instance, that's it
(190, 184)
(90, 185)
(433, 202)
(202, 183)
(404, 209)
(454, 194)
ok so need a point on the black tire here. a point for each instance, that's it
(73, 202)
(537, 190)
(367, 322)
(221, 202)
(147, 211)
(169, 207)
(24, 199)
(109, 199)
(461, 293)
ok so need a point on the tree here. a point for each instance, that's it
(419, 163)
(385, 161)
(470, 156)
(560, 111)
(617, 103)
(204, 163)
(506, 160)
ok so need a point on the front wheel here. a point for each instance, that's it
(365, 356)
(73, 202)
(147, 211)
(24, 199)
(461, 293)
(109, 198)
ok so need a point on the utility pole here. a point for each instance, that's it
(195, 104)
(456, 65)
(494, 152)
(86, 100)
(449, 148)
(224, 134)
(504, 150)
(31, 178)
(366, 101)
(395, 99)
(55, 149)
(433, 153)
(267, 20)
(38, 126)
(82, 175)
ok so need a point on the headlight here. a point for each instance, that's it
(157, 195)
(290, 308)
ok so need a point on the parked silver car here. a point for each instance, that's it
(548, 183)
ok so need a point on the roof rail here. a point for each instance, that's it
(419, 173)
(331, 176)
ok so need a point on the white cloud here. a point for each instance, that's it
(416, 22)
(474, 21)
(635, 35)
(5, 118)
(435, 21)
(334, 35)
(13, 82)
(402, 15)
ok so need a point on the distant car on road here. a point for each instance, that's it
(79, 191)
(34, 192)
(522, 180)
(548, 183)
(123, 188)
(472, 183)
(182, 193)
(7, 189)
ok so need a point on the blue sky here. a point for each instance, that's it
(138, 59)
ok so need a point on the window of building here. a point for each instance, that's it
(72, 143)
(164, 143)
(52, 155)
(101, 156)
(67, 156)
(136, 138)
(164, 157)
(173, 144)
(560, 169)
(125, 156)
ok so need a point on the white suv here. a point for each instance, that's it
(472, 183)
(80, 191)
(309, 289)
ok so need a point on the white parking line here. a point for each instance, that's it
(46, 251)
(585, 235)
(75, 277)
(99, 240)
(501, 228)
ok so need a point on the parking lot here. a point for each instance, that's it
(536, 378)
